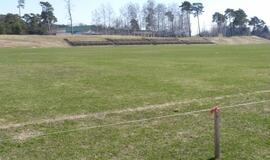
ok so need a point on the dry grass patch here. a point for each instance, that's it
(239, 40)
(27, 134)
(31, 41)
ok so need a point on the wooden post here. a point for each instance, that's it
(216, 112)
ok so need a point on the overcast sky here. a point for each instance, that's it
(82, 9)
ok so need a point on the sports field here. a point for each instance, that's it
(134, 102)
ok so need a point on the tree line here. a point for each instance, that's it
(235, 22)
(29, 23)
(174, 20)
(158, 19)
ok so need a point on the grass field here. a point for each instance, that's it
(104, 102)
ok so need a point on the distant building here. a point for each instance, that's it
(81, 29)
(62, 32)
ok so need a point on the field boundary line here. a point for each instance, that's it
(144, 108)
(150, 119)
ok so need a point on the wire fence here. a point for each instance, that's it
(144, 120)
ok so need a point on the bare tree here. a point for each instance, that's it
(177, 13)
(103, 14)
(96, 19)
(109, 11)
(133, 9)
(140, 18)
(160, 12)
(170, 16)
(118, 23)
(130, 11)
(68, 5)
(149, 15)
(124, 16)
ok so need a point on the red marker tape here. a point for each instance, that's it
(215, 110)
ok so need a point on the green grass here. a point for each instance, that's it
(47, 83)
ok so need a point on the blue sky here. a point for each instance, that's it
(82, 9)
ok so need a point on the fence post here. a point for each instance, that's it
(216, 112)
